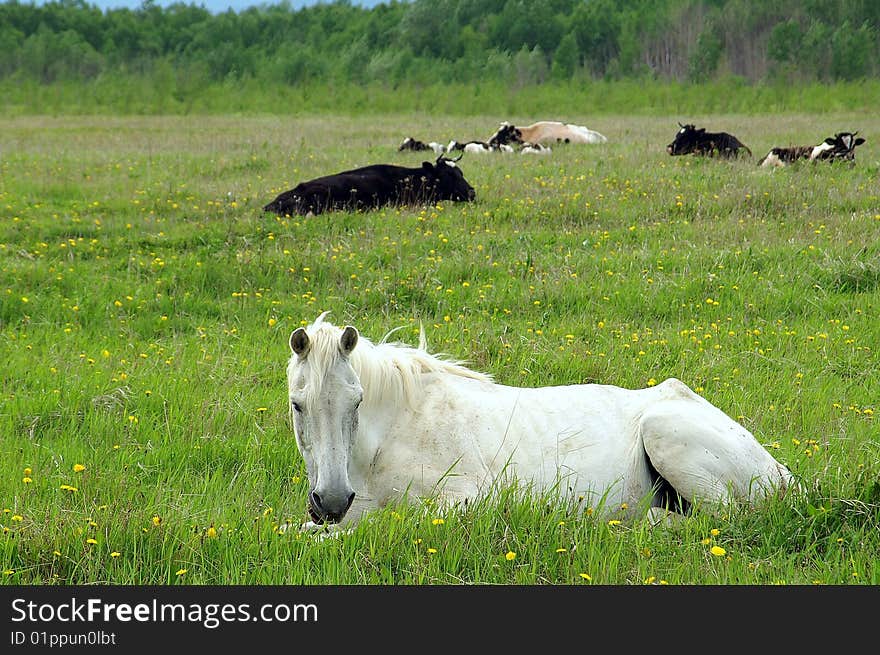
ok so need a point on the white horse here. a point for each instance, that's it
(376, 422)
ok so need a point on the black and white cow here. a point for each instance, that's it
(840, 147)
(374, 186)
(477, 147)
(415, 145)
(692, 141)
(534, 149)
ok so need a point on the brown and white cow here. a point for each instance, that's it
(544, 132)
(840, 147)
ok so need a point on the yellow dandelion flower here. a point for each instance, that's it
(510, 556)
(8, 572)
(706, 541)
(714, 532)
(272, 322)
(438, 521)
(78, 468)
(157, 520)
(585, 576)
(614, 522)
(562, 550)
(650, 579)
(115, 553)
(718, 551)
(431, 551)
(211, 532)
(56, 553)
(17, 517)
(67, 487)
(91, 541)
(27, 471)
(181, 572)
(26, 480)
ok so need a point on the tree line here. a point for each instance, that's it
(522, 42)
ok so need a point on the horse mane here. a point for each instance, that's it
(386, 368)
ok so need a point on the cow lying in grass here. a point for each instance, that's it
(477, 147)
(544, 132)
(374, 186)
(692, 141)
(534, 149)
(415, 145)
(840, 147)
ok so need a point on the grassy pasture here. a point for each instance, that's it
(146, 303)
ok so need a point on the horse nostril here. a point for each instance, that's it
(316, 501)
(350, 501)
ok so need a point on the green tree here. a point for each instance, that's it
(850, 51)
(784, 42)
(816, 50)
(566, 59)
(705, 58)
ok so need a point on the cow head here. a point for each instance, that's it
(506, 134)
(449, 182)
(686, 140)
(841, 146)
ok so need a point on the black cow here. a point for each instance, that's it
(692, 141)
(840, 147)
(374, 186)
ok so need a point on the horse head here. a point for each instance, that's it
(324, 394)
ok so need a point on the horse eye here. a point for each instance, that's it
(297, 408)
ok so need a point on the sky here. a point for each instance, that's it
(214, 6)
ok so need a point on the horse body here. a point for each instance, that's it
(433, 428)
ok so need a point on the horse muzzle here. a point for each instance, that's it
(328, 507)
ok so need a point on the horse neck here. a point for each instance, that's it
(392, 375)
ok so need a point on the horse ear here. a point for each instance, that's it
(349, 340)
(299, 342)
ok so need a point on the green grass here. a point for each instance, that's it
(147, 301)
